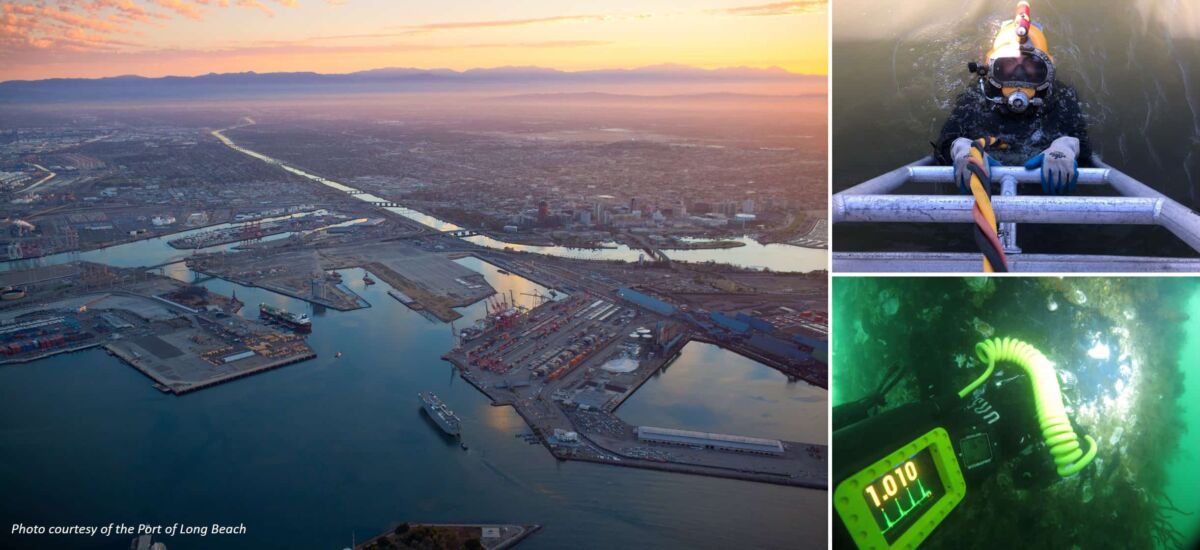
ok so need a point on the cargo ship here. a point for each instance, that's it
(441, 415)
(294, 321)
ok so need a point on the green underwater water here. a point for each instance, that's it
(1183, 471)
(1121, 347)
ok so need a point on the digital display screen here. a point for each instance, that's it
(900, 497)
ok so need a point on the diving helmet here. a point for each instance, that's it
(1020, 72)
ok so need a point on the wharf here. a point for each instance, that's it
(605, 439)
(161, 373)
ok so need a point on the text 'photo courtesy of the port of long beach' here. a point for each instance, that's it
(374, 274)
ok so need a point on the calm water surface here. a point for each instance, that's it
(312, 454)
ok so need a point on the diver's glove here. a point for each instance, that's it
(960, 153)
(1059, 164)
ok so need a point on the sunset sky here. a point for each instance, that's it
(95, 38)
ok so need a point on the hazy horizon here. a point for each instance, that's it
(154, 38)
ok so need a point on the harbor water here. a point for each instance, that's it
(331, 450)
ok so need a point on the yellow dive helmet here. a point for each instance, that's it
(1020, 71)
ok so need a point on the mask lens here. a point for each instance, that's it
(1026, 68)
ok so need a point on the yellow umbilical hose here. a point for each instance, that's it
(1052, 416)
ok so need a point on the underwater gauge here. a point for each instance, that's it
(897, 474)
(897, 501)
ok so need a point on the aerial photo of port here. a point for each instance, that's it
(486, 306)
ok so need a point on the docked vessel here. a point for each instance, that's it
(440, 413)
(295, 321)
(470, 333)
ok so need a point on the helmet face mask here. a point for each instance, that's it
(1030, 69)
(1020, 71)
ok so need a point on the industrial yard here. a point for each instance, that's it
(567, 364)
(182, 337)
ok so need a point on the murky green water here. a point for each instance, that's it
(1124, 350)
(1183, 475)
(897, 68)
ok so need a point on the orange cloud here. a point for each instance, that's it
(126, 9)
(779, 8)
(179, 7)
(503, 22)
(257, 5)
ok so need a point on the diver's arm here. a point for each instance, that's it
(1075, 123)
(960, 124)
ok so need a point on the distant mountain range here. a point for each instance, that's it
(387, 80)
(602, 97)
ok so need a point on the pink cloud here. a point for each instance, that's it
(179, 7)
(778, 8)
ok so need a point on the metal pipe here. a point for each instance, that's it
(1008, 230)
(886, 183)
(945, 174)
(968, 262)
(1023, 209)
(1177, 218)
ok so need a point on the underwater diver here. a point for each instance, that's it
(1035, 118)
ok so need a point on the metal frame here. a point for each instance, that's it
(1137, 204)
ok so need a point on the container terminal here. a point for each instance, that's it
(183, 337)
(565, 365)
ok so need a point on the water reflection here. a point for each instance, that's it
(307, 454)
(708, 388)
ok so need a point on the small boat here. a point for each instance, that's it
(503, 272)
(337, 355)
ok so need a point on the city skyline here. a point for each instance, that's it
(101, 38)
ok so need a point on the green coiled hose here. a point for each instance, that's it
(1052, 416)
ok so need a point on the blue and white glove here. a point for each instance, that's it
(1059, 164)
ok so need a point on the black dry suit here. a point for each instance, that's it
(1022, 136)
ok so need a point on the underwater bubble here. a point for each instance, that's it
(1099, 351)
(1077, 297)
(1051, 304)
(888, 302)
(1129, 314)
(1066, 378)
(1116, 435)
(1087, 492)
(860, 335)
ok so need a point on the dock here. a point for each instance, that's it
(549, 365)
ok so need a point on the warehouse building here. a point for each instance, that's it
(719, 442)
